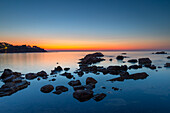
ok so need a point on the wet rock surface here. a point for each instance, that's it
(120, 57)
(160, 52)
(168, 57)
(47, 88)
(56, 70)
(133, 60)
(135, 76)
(144, 61)
(83, 95)
(99, 97)
(31, 76)
(90, 80)
(74, 83)
(68, 75)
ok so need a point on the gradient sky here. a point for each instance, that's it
(86, 24)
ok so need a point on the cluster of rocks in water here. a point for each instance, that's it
(14, 81)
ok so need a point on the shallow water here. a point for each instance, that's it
(137, 96)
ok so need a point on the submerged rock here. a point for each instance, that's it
(79, 87)
(74, 83)
(133, 61)
(83, 95)
(90, 80)
(99, 97)
(135, 66)
(114, 88)
(62, 88)
(47, 88)
(167, 65)
(144, 61)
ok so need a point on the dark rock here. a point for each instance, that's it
(159, 67)
(167, 65)
(53, 79)
(168, 57)
(74, 83)
(120, 57)
(92, 58)
(123, 53)
(12, 87)
(56, 70)
(114, 88)
(124, 74)
(6, 73)
(83, 95)
(62, 88)
(9, 78)
(90, 80)
(99, 97)
(103, 87)
(59, 68)
(152, 67)
(135, 66)
(135, 76)
(133, 61)
(144, 61)
(42, 74)
(160, 52)
(57, 92)
(68, 75)
(80, 87)
(47, 88)
(31, 76)
(90, 86)
(66, 69)
(110, 59)
(38, 79)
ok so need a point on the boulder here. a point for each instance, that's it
(47, 88)
(83, 95)
(62, 88)
(79, 87)
(135, 66)
(144, 61)
(66, 69)
(68, 75)
(90, 86)
(152, 67)
(168, 57)
(167, 65)
(99, 97)
(133, 61)
(90, 80)
(42, 74)
(30, 76)
(160, 52)
(120, 57)
(6, 73)
(74, 83)
(114, 88)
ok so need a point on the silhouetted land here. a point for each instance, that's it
(9, 48)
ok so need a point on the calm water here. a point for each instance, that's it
(137, 96)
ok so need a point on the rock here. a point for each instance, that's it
(103, 87)
(30, 76)
(68, 75)
(47, 88)
(133, 61)
(135, 76)
(6, 73)
(12, 87)
(74, 83)
(167, 65)
(90, 80)
(62, 88)
(123, 53)
(92, 58)
(99, 97)
(110, 59)
(53, 79)
(83, 95)
(160, 52)
(79, 87)
(120, 57)
(57, 92)
(114, 88)
(80, 73)
(144, 61)
(90, 86)
(124, 74)
(168, 57)
(66, 69)
(159, 67)
(42, 74)
(135, 66)
(56, 70)
(9, 78)
(38, 79)
(152, 67)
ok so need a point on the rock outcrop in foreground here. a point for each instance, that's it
(9, 48)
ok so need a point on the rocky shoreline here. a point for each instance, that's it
(15, 81)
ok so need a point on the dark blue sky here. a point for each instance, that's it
(88, 20)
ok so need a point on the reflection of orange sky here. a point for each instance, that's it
(92, 44)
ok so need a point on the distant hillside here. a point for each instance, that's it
(9, 48)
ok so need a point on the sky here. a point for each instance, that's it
(87, 24)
